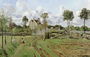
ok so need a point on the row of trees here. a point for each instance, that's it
(74, 28)
(68, 15)
(7, 25)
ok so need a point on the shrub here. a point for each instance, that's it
(1, 51)
(47, 35)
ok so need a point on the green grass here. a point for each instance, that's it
(43, 45)
(35, 47)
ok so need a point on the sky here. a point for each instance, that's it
(32, 8)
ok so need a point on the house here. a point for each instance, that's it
(33, 24)
(36, 26)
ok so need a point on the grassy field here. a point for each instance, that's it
(34, 46)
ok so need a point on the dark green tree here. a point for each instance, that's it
(25, 20)
(68, 15)
(84, 15)
(3, 26)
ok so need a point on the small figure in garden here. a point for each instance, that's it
(22, 41)
(81, 34)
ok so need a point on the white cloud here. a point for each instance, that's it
(23, 9)
(88, 4)
(22, 5)
(8, 9)
(39, 9)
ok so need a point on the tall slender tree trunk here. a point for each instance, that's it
(45, 34)
(84, 26)
(5, 37)
(2, 40)
(11, 36)
(68, 23)
(45, 30)
(2, 34)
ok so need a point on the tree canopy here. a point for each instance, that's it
(25, 20)
(68, 15)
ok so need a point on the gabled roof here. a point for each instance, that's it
(37, 21)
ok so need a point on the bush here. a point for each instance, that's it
(47, 35)
(1, 51)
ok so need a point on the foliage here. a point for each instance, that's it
(44, 16)
(45, 24)
(84, 14)
(68, 15)
(18, 30)
(47, 35)
(80, 28)
(25, 20)
(59, 27)
(3, 22)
